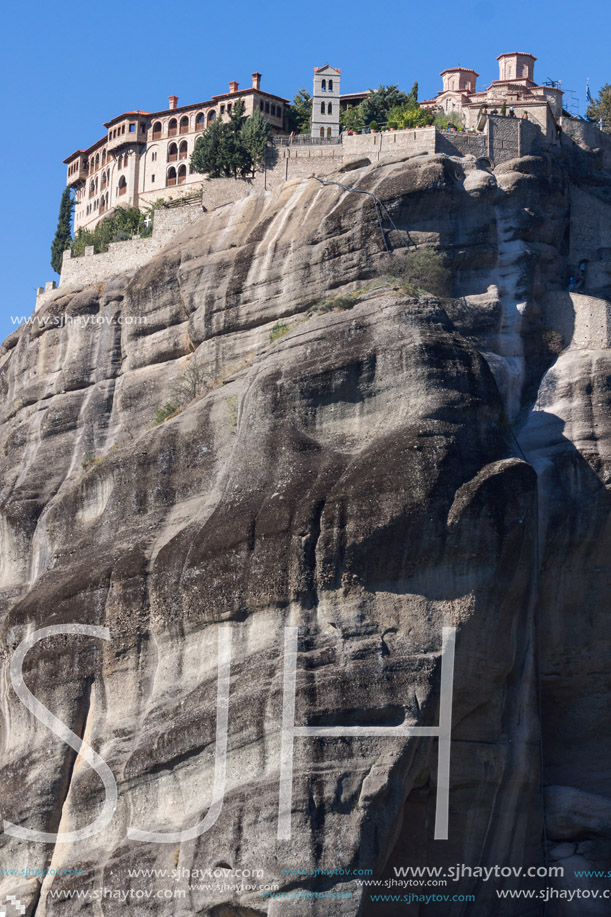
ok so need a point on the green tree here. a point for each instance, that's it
(63, 234)
(351, 118)
(412, 99)
(208, 154)
(299, 114)
(600, 110)
(379, 102)
(236, 157)
(255, 133)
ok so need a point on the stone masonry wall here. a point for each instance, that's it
(122, 256)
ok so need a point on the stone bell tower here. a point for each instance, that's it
(325, 102)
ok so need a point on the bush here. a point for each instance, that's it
(279, 329)
(373, 125)
(423, 271)
(169, 409)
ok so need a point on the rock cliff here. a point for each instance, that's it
(370, 474)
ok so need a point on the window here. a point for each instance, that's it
(267, 108)
(172, 152)
(104, 157)
(171, 179)
(322, 108)
(153, 157)
(273, 110)
(172, 127)
(120, 162)
(329, 109)
(97, 162)
(122, 185)
(200, 121)
(123, 129)
(211, 116)
(152, 178)
(330, 85)
(156, 130)
(91, 189)
(184, 124)
(261, 105)
(229, 108)
(132, 128)
(322, 132)
(222, 109)
(182, 150)
(142, 128)
(328, 132)
(323, 85)
(182, 175)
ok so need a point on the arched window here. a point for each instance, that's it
(323, 86)
(104, 157)
(322, 132)
(172, 127)
(211, 116)
(97, 161)
(156, 130)
(103, 182)
(172, 152)
(171, 177)
(122, 185)
(200, 121)
(120, 161)
(328, 132)
(330, 85)
(322, 108)
(184, 125)
(96, 184)
(182, 175)
(91, 189)
(329, 109)
(183, 149)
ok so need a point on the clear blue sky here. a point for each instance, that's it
(68, 67)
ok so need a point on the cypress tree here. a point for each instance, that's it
(63, 236)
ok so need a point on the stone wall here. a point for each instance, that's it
(387, 144)
(588, 137)
(121, 256)
(583, 321)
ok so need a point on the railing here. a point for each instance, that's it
(171, 182)
(172, 157)
(200, 125)
(184, 128)
(183, 154)
(172, 131)
(157, 135)
(182, 179)
(305, 140)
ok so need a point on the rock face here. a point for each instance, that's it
(369, 475)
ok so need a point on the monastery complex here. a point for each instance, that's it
(145, 156)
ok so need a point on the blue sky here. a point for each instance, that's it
(68, 67)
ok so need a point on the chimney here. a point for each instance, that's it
(256, 81)
(173, 101)
(233, 86)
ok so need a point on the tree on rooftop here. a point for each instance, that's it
(600, 110)
(63, 235)
(376, 106)
(299, 114)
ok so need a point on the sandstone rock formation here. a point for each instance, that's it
(369, 475)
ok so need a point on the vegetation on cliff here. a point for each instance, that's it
(63, 235)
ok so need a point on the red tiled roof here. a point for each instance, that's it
(318, 69)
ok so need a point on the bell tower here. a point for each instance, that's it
(325, 102)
